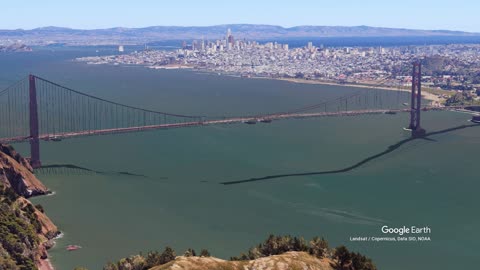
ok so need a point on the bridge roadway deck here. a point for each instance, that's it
(236, 120)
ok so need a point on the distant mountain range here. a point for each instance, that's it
(120, 35)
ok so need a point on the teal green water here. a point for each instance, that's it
(179, 201)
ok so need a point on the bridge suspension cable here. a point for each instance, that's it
(65, 112)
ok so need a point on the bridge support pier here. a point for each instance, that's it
(476, 119)
(416, 101)
(34, 132)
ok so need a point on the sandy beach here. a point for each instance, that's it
(171, 67)
(426, 95)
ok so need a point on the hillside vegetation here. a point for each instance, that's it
(20, 243)
(275, 253)
(25, 231)
(290, 260)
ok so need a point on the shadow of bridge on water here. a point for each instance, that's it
(389, 150)
(70, 169)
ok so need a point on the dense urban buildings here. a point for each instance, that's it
(445, 66)
(16, 47)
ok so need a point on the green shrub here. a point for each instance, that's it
(17, 234)
(189, 253)
(110, 266)
(40, 208)
(152, 259)
(168, 255)
(204, 253)
(318, 247)
(344, 258)
(275, 245)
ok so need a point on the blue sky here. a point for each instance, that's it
(89, 14)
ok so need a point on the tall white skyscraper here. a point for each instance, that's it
(229, 33)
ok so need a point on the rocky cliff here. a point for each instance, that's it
(25, 231)
(16, 172)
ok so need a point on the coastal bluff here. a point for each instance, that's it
(26, 232)
(16, 172)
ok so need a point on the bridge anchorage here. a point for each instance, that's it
(476, 119)
(416, 101)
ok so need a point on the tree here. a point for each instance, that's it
(137, 262)
(270, 246)
(153, 258)
(462, 98)
(318, 247)
(7, 263)
(40, 208)
(342, 256)
(124, 264)
(351, 260)
(110, 266)
(9, 193)
(243, 257)
(189, 253)
(204, 253)
(168, 255)
(284, 244)
(298, 244)
(360, 262)
(254, 253)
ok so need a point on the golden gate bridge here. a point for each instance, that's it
(35, 109)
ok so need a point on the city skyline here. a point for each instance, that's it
(428, 15)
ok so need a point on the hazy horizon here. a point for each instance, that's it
(90, 14)
(226, 24)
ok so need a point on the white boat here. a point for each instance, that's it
(56, 139)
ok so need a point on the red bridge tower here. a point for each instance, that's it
(416, 101)
(34, 139)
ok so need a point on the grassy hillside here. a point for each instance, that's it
(275, 253)
(290, 260)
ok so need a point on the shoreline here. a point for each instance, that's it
(434, 98)
(21, 179)
(45, 264)
(47, 244)
(425, 94)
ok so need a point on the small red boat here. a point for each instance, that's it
(73, 247)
